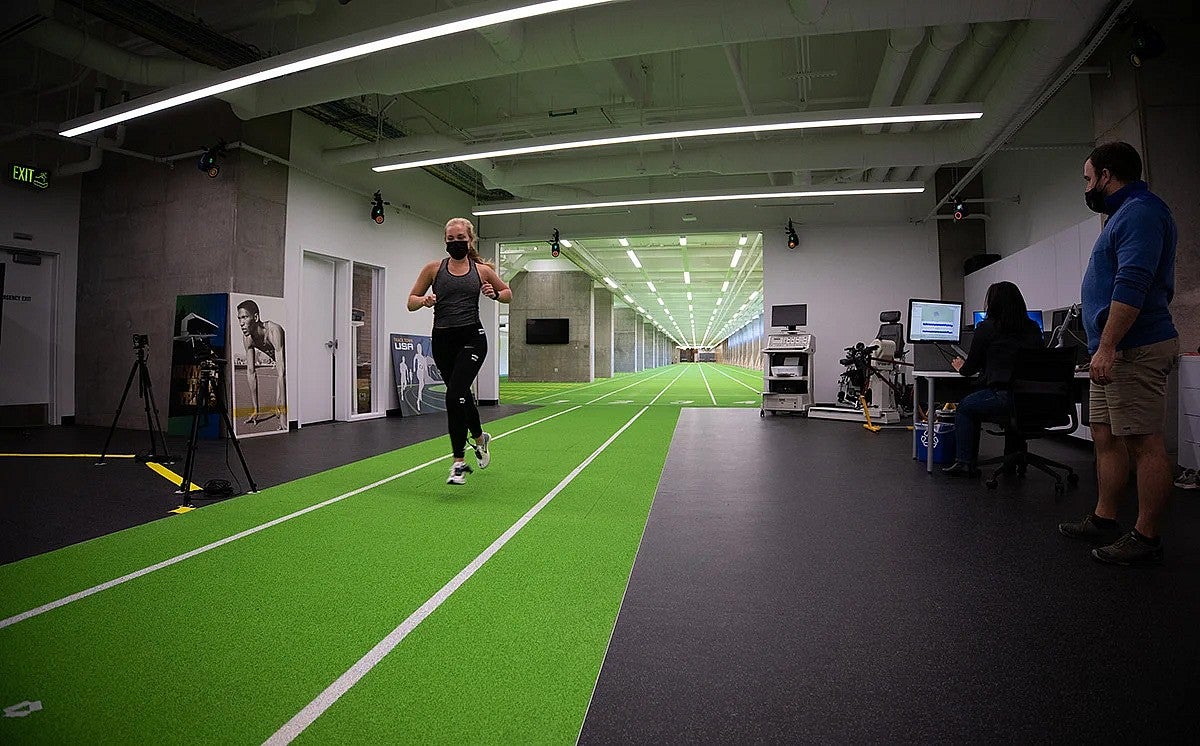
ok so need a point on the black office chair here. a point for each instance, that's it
(1040, 403)
(890, 328)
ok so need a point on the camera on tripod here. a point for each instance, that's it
(141, 341)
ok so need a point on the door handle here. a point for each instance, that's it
(331, 344)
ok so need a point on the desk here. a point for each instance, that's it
(933, 375)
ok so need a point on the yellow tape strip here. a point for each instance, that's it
(66, 455)
(181, 510)
(170, 476)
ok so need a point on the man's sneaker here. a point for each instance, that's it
(1188, 480)
(480, 446)
(458, 473)
(1130, 550)
(1089, 530)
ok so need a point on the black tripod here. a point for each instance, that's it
(141, 343)
(209, 393)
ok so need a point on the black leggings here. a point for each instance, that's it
(459, 352)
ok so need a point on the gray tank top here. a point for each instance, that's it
(457, 297)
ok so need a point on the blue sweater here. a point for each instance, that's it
(1133, 262)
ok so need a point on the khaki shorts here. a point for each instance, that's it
(1135, 403)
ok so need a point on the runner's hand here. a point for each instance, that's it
(489, 291)
(429, 300)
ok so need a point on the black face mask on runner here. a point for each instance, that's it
(457, 249)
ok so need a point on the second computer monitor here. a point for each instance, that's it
(790, 316)
(934, 321)
(978, 316)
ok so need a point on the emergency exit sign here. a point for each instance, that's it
(29, 176)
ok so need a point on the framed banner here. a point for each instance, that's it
(258, 351)
(419, 385)
(201, 324)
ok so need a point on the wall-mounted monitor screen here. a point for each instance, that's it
(790, 316)
(547, 331)
(1037, 316)
(934, 321)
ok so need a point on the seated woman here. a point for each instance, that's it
(1006, 329)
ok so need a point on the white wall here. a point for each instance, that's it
(1048, 181)
(335, 221)
(52, 217)
(847, 275)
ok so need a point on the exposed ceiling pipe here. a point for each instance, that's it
(388, 148)
(974, 56)
(808, 12)
(901, 43)
(943, 40)
(506, 39)
(647, 27)
(900, 46)
(1039, 54)
(72, 44)
(96, 152)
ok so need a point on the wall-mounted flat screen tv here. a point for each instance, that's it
(547, 331)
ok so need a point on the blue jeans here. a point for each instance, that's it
(987, 405)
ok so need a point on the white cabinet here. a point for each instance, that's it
(1189, 411)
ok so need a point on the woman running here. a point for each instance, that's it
(459, 343)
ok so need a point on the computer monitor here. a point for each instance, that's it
(977, 318)
(790, 316)
(934, 321)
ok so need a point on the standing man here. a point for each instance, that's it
(1129, 283)
(268, 337)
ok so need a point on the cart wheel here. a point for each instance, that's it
(1073, 479)
(991, 483)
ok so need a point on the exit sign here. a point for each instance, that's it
(30, 176)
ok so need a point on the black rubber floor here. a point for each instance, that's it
(50, 503)
(819, 587)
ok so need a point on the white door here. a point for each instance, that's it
(318, 345)
(27, 342)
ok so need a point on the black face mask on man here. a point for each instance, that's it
(1094, 197)
(457, 249)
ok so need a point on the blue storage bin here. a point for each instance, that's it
(943, 442)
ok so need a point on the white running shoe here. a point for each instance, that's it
(458, 473)
(1188, 480)
(480, 446)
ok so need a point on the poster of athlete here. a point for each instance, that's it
(419, 385)
(258, 350)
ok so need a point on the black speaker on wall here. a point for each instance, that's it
(979, 261)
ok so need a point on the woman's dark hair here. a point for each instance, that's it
(1006, 308)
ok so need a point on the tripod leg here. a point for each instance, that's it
(154, 425)
(117, 416)
(190, 460)
(236, 445)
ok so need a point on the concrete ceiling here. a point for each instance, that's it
(698, 309)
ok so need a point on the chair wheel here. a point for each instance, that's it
(1073, 479)
(991, 483)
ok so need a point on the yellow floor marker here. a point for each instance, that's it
(171, 476)
(182, 509)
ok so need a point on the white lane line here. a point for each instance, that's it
(314, 709)
(570, 390)
(635, 383)
(669, 385)
(242, 534)
(710, 393)
(755, 389)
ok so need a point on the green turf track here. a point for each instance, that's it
(731, 387)
(228, 645)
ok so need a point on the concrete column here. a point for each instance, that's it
(602, 341)
(647, 346)
(624, 340)
(552, 295)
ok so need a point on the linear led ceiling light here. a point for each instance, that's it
(609, 281)
(628, 300)
(687, 278)
(651, 286)
(724, 286)
(710, 128)
(511, 208)
(742, 240)
(633, 258)
(623, 241)
(683, 240)
(689, 295)
(737, 257)
(566, 244)
(453, 21)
